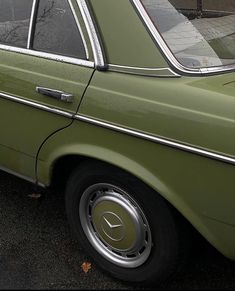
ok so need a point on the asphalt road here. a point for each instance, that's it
(38, 252)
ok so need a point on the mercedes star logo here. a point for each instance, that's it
(112, 226)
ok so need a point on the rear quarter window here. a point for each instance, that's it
(200, 33)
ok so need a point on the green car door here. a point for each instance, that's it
(45, 67)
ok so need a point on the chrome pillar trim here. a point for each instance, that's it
(49, 56)
(157, 72)
(159, 140)
(79, 28)
(166, 50)
(96, 47)
(31, 23)
(37, 105)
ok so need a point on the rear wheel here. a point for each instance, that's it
(115, 225)
(126, 227)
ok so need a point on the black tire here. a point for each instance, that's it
(166, 248)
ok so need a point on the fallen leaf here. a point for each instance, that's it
(35, 195)
(86, 266)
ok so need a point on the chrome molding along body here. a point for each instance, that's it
(96, 47)
(169, 55)
(49, 56)
(138, 134)
(37, 105)
(154, 72)
(159, 140)
(29, 179)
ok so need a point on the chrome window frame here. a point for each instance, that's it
(52, 56)
(93, 35)
(174, 63)
(31, 23)
(49, 56)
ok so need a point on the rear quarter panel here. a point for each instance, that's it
(194, 111)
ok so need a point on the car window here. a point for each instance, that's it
(57, 31)
(14, 22)
(199, 33)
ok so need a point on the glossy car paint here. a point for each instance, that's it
(196, 111)
(125, 39)
(202, 189)
(20, 75)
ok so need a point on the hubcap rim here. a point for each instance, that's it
(115, 225)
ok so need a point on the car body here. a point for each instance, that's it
(123, 99)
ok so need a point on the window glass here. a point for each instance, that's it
(14, 22)
(200, 33)
(56, 30)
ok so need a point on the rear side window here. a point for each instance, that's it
(14, 22)
(200, 33)
(56, 30)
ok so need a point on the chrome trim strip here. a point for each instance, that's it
(30, 33)
(158, 72)
(40, 184)
(211, 70)
(79, 29)
(26, 178)
(37, 105)
(163, 46)
(143, 68)
(96, 47)
(158, 140)
(31, 180)
(49, 56)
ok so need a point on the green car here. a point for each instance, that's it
(129, 106)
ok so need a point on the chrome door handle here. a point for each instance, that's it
(59, 95)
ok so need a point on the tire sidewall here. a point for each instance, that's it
(164, 236)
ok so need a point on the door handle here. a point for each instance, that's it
(56, 94)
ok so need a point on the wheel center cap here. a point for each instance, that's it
(114, 222)
(115, 225)
(112, 226)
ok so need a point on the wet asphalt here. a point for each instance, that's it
(37, 250)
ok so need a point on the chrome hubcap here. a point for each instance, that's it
(115, 225)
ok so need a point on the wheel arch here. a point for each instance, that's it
(65, 160)
(71, 156)
(63, 163)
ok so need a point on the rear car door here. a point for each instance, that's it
(44, 71)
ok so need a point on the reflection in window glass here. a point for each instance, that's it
(200, 33)
(56, 30)
(14, 22)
